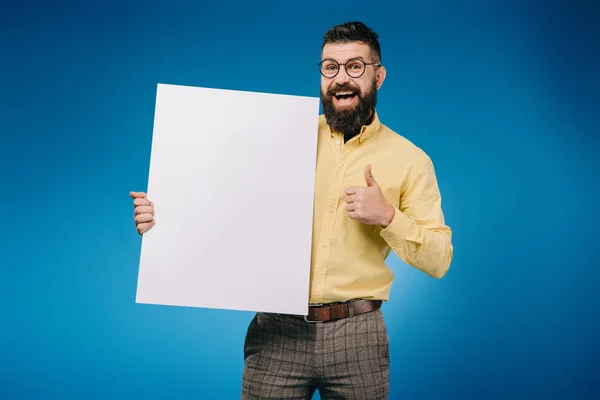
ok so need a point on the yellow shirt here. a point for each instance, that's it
(348, 257)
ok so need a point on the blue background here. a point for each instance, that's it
(503, 95)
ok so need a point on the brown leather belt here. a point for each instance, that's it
(337, 311)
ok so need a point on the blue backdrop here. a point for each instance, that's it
(503, 95)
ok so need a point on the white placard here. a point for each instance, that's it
(232, 178)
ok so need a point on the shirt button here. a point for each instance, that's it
(324, 244)
(330, 209)
(337, 142)
(337, 176)
(319, 281)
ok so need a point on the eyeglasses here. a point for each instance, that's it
(354, 68)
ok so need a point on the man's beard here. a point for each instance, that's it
(349, 121)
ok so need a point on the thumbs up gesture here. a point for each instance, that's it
(367, 204)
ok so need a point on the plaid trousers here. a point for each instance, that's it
(288, 358)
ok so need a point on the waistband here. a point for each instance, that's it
(339, 310)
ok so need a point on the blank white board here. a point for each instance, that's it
(232, 177)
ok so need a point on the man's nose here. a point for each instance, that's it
(342, 76)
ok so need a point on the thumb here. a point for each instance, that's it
(369, 177)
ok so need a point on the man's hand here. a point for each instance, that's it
(367, 204)
(143, 214)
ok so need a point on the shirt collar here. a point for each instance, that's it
(366, 131)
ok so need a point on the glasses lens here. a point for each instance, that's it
(355, 68)
(329, 68)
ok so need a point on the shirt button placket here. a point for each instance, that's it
(332, 202)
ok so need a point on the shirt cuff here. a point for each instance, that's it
(401, 228)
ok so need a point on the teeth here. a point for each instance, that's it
(342, 93)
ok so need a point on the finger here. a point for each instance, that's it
(351, 198)
(143, 210)
(350, 207)
(139, 219)
(136, 195)
(143, 228)
(352, 190)
(142, 202)
(352, 215)
(369, 177)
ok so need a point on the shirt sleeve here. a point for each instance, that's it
(418, 233)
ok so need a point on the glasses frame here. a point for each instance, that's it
(345, 67)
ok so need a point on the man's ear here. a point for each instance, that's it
(380, 76)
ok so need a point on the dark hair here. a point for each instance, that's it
(354, 32)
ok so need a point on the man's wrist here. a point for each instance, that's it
(388, 217)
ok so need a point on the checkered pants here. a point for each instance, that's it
(288, 358)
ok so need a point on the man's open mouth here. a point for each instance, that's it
(345, 97)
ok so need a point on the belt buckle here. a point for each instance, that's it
(306, 316)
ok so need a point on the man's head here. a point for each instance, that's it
(351, 74)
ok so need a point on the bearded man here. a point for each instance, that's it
(375, 192)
